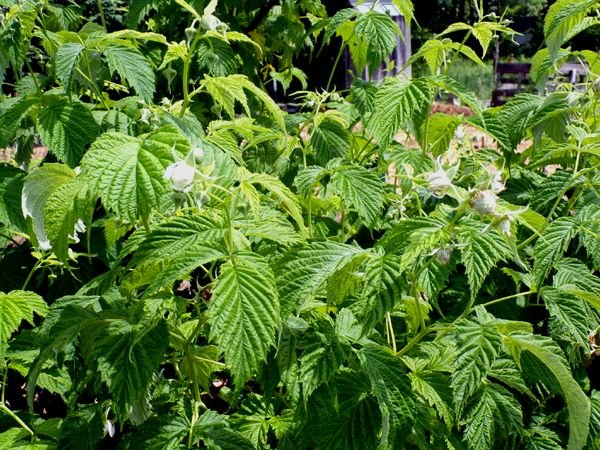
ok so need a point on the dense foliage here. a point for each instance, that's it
(192, 267)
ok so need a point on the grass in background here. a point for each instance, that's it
(476, 78)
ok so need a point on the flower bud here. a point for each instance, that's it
(198, 154)
(181, 176)
(443, 255)
(484, 202)
(459, 134)
(190, 33)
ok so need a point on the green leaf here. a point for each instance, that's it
(128, 172)
(66, 60)
(440, 131)
(346, 417)
(396, 103)
(595, 416)
(217, 57)
(271, 225)
(179, 245)
(127, 357)
(245, 312)
(67, 128)
(330, 139)
(454, 87)
(507, 372)
(542, 67)
(12, 111)
(132, 67)
(570, 318)
(15, 307)
(362, 189)
(11, 186)
(161, 433)
(302, 272)
(434, 388)
(480, 344)
(406, 8)
(65, 210)
(382, 287)
(573, 274)
(278, 190)
(138, 9)
(562, 20)
(589, 218)
(495, 415)
(324, 351)
(483, 250)
(391, 386)
(215, 431)
(253, 419)
(63, 323)
(552, 188)
(39, 185)
(551, 245)
(380, 33)
(578, 405)
(226, 91)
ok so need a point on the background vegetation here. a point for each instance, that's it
(189, 266)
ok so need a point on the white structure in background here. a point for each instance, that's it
(403, 47)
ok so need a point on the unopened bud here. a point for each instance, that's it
(484, 202)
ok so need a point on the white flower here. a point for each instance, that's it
(181, 176)
(443, 255)
(440, 181)
(484, 202)
(145, 116)
(494, 179)
(79, 228)
(459, 134)
(44, 244)
(211, 23)
(109, 428)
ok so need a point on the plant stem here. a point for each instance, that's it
(17, 419)
(414, 341)
(415, 294)
(392, 336)
(457, 53)
(502, 299)
(146, 224)
(33, 77)
(4, 378)
(31, 272)
(335, 64)
(186, 75)
(101, 11)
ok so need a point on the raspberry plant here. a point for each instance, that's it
(192, 267)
